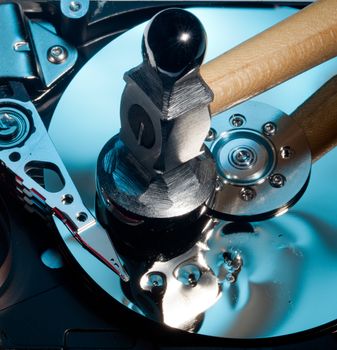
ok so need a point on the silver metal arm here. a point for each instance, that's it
(25, 146)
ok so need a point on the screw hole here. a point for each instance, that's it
(211, 135)
(15, 156)
(287, 152)
(82, 216)
(67, 199)
(237, 120)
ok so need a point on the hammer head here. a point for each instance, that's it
(164, 108)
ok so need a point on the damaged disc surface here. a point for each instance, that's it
(248, 280)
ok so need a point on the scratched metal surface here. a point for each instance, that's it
(288, 279)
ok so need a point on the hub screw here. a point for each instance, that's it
(230, 278)
(155, 279)
(247, 194)
(232, 261)
(287, 152)
(211, 135)
(218, 185)
(57, 54)
(14, 127)
(269, 129)
(242, 157)
(277, 180)
(237, 120)
(75, 6)
(189, 275)
(9, 126)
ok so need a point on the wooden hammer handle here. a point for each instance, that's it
(292, 46)
(318, 118)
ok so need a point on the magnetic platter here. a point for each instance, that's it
(259, 280)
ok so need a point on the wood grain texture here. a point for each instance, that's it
(318, 118)
(292, 46)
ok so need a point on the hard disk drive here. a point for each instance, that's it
(168, 174)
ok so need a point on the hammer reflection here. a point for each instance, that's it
(234, 284)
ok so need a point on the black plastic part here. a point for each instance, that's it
(174, 42)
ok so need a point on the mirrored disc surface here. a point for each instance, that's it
(266, 279)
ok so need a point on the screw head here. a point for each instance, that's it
(232, 261)
(242, 157)
(277, 180)
(247, 194)
(75, 6)
(14, 126)
(237, 120)
(287, 152)
(155, 279)
(57, 54)
(269, 129)
(230, 278)
(189, 274)
(9, 126)
(211, 135)
(218, 185)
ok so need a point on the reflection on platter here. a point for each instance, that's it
(253, 280)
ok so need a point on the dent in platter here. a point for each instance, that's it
(307, 237)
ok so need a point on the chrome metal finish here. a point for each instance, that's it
(188, 274)
(211, 135)
(14, 127)
(237, 120)
(157, 167)
(232, 264)
(269, 129)
(54, 56)
(13, 45)
(22, 46)
(64, 204)
(172, 110)
(44, 55)
(247, 194)
(153, 280)
(232, 261)
(95, 240)
(191, 287)
(255, 155)
(57, 54)
(288, 262)
(277, 180)
(243, 156)
(287, 152)
(74, 8)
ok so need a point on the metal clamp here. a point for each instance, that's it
(263, 162)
